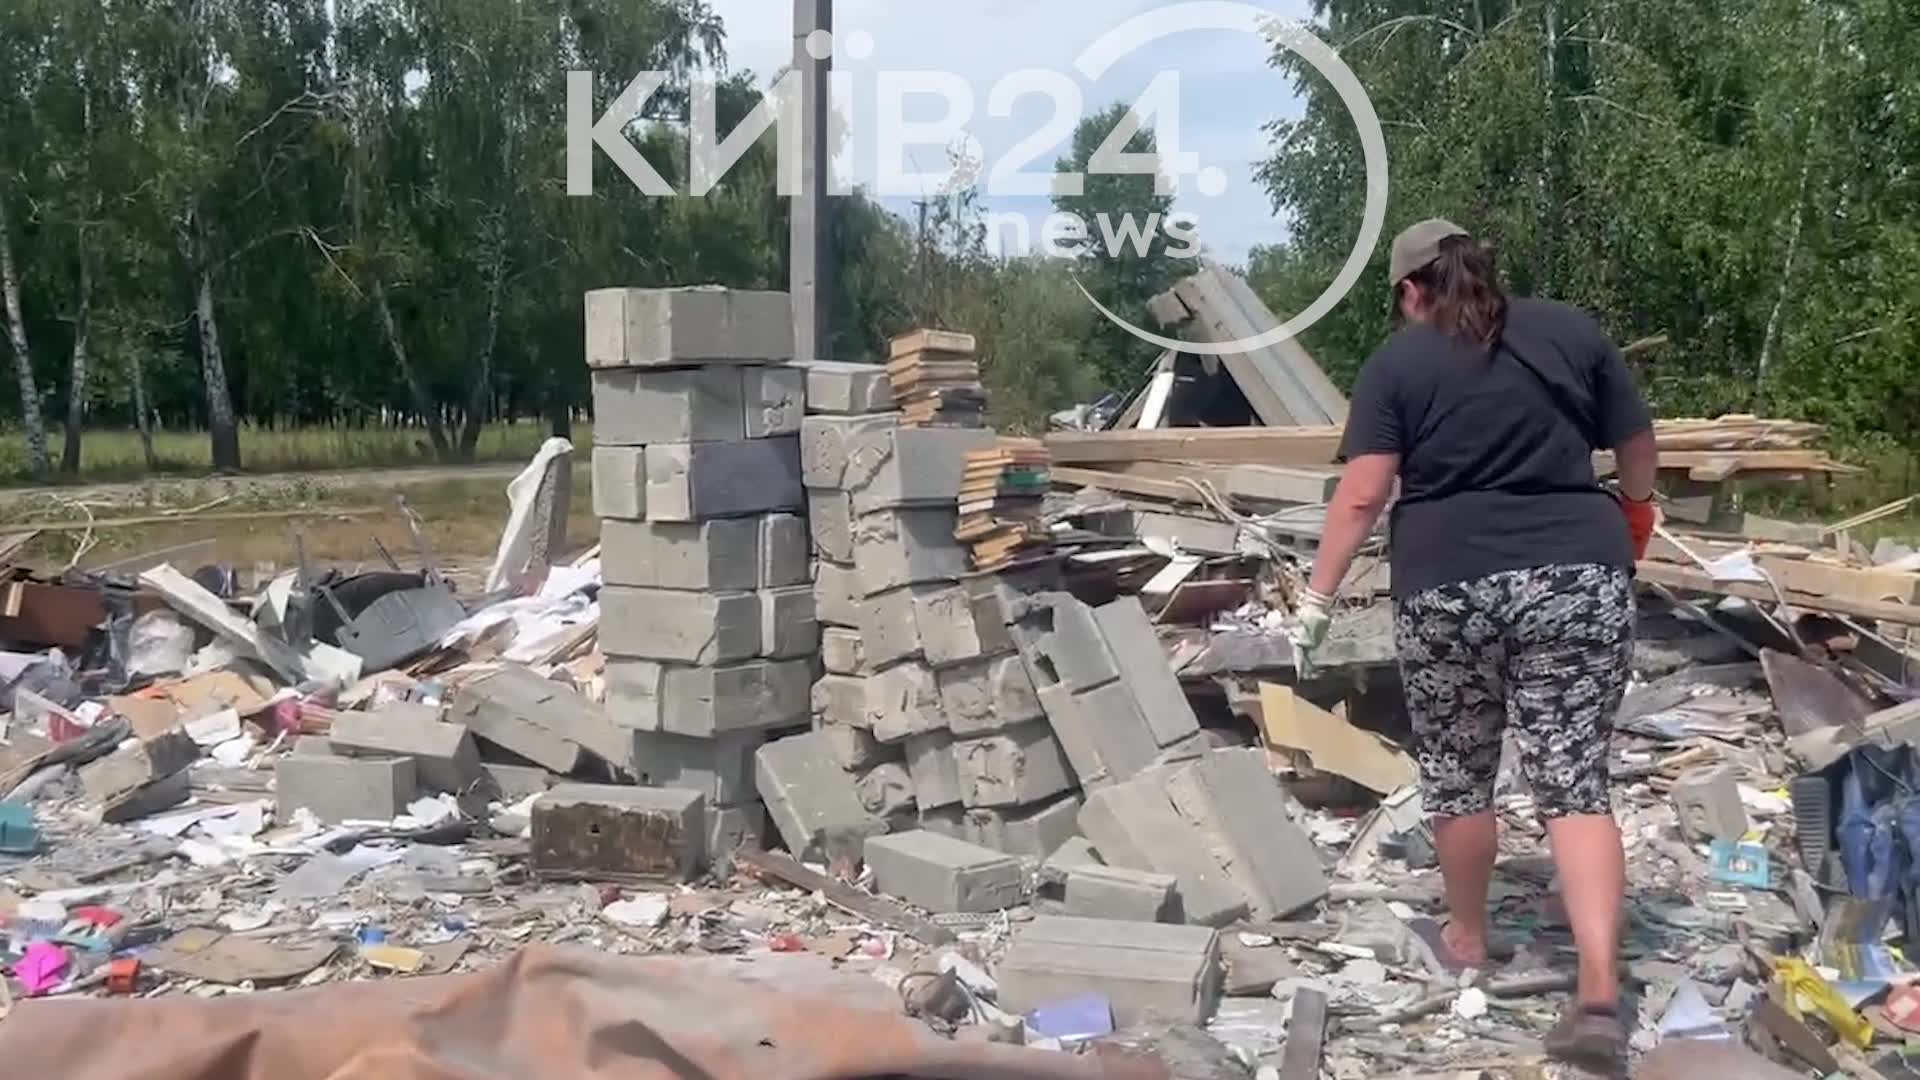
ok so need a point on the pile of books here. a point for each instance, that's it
(1002, 497)
(936, 380)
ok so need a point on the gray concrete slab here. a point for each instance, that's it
(1134, 825)
(445, 758)
(680, 405)
(847, 389)
(808, 795)
(942, 875)
(753, 696)
(629, 328)
(702, 481)
(1016, 767)
(340, 789)
(599, 832)
(776, 400)
(1232, 797)
(680, 627)
(903, 701)
(936, 775)
(907, 546)
(985, 696)
(1144, 970)
(1114, 892)
(785, 551)
(788, 629)
(708, 556)
(620, 482)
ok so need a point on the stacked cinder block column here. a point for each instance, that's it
(707, 613)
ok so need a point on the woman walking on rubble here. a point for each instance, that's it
(1512, 581)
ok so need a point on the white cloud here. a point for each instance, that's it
(1228, 90)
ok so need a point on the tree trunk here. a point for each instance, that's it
(30, 418)
(222, 428)
(490, 337)
(143, 420)
(77, 381)
(416, 393)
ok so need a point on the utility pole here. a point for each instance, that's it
(810, 251)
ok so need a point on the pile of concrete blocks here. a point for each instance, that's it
(707, 617)
(924, 707)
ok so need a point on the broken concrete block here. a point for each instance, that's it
(855, 749)
(444, 756)
(990, 597)
(836, 594)
(683, 405)
(1232, 797)
(132, 767)
(708, 556)
(638, 328)
(1015, 767)
(1144, 970)
(830, 521)
(730, 828)
(847, 389)
(909, 466)
(1114, 892)
(683, 627)
(1076, 852)
(785, 555)
(516, 782)
(931, 620)
(634, 693)
(808, 795)
(890, 627)
(776, 400)
(981, 697)
(754, 696)
(943, 875)
(620, 482)
(340, 789)
(1102, 731)
(1143, 667)
(886, 792)
(1134, 825)
(700, 481)
(599, 832)
(1707, 801)
(828, 443)
(1062, 643)
(548, 723)
(903, 701)
(948, 821)
(720, 769)
(842, 652)
(909, 546)
(936, 776)
(841, 701)
(1032, 832)
(313, 745)
(787, 626)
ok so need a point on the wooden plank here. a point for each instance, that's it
(1168, 490)
(1306, 1032)
(1844, 582)
(931, 341)
(1231, 446)
(843, 896)
(1688, 579)
(1265, 483)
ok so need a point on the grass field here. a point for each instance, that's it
(114, 455)
(463, 519)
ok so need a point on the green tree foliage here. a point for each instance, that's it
(354, 212)
(1123, 276)
(1715, 180)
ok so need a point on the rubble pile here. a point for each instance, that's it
(1087, 801)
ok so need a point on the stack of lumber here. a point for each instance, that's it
(936, 380)
(1708, 451)
(1002, 497)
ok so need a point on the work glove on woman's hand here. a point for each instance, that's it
(1642, 519)
(1311, 620)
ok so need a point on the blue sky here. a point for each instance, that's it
(1227, 90)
